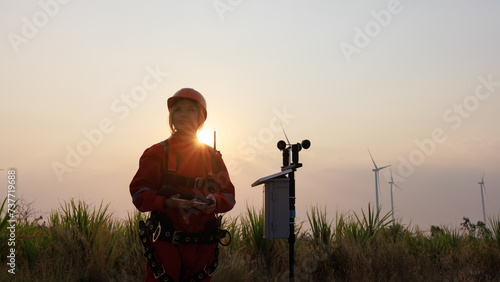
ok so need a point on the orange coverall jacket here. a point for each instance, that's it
(189, 159)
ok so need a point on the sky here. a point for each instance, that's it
(84, 86)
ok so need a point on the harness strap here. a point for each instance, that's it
(172, 163)
(207, 165)
(207, 271)
(158, 269)
(178, 237)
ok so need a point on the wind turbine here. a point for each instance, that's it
(482, 186)
(392, 202)
(376, 170)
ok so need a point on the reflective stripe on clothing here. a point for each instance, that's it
(136, 194)
(230, 198)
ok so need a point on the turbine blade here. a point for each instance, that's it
(372, 159)
(392, 180)
(384, 167)
(486, 193)
(397, 186)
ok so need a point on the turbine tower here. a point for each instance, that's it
(392, 202)
(483, 187)
(376, 170)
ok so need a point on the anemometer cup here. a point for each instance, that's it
(305, 144)
(281, 145)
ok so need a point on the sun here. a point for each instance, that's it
(206, 137)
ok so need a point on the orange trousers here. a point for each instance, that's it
(182, 261)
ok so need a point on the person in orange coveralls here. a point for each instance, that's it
(183, 234)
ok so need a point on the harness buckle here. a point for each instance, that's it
(198, 183)
(159, 274)
(175, 237)
(208, 271)
(157, 232)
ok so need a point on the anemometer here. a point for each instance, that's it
(279, 197)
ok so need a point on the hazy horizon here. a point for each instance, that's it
(84, 87)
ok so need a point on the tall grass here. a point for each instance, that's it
(321, 228)
(84, 242)
(79, 243)
(495, 229)
(4, 234)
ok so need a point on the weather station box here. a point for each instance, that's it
(276, 204)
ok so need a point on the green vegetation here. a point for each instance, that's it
(85, 243)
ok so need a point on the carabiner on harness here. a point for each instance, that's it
(222, 234)
(157, 232)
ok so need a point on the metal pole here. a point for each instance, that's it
(291, 207)
(482, 200)
(376, 193)
(291, 237)
(392, 206)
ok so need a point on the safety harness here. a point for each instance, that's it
(160, 227)
(152, 227)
